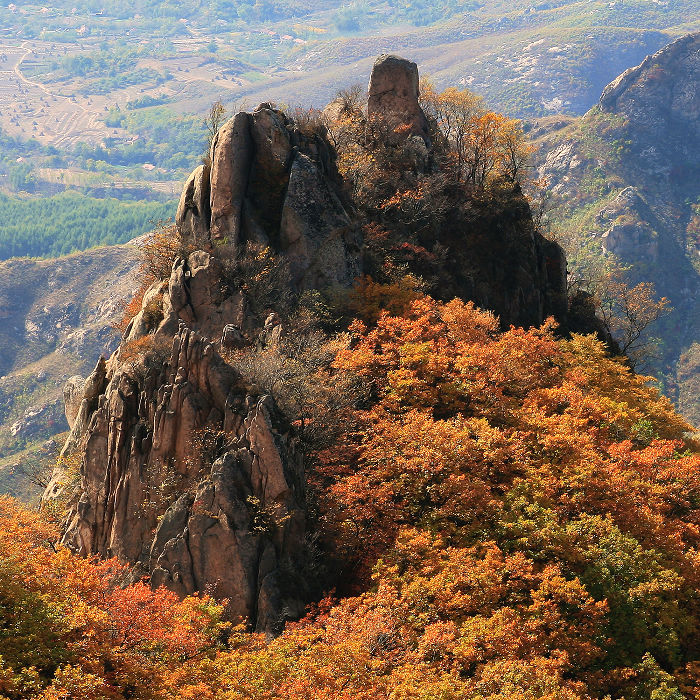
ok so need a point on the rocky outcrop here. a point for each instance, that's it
(277, 185)
(661, 92)
(193, 478)
(194, 209)
(629, 233)
(660, 101)
(393, 95)
(633, 162)
(498, 260)
(72, 397)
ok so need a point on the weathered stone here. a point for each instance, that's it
(231, 155)
(316, 233)
(72, 397)
(393, 95)
(152, 443)
(196, 294)
(272, 185)
(194, 210)
(662, 91)
(629, 230)
(232, 338)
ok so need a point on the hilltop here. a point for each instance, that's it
(325, 472)
(269, 232)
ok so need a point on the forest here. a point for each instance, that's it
(70, 221)
(528, 511)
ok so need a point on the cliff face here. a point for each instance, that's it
(192, 477)
(660, 96)
(188, 471)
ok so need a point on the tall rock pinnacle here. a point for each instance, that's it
(393, 94)
(273, 184)
(189, 472)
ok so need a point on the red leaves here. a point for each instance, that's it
(79, 626)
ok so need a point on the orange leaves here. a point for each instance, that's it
(410, 358)
(369, 299)
(416, 470)
(567, 461)
(481, 145)
(77, 626)
(449, 358)
(521, 516)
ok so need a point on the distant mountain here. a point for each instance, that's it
(626, 183)
(55, 317)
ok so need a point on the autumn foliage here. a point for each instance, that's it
(518, 516)
(71, 628)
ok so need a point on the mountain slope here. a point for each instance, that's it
(196, 438)
(56, 317)
(626, 183)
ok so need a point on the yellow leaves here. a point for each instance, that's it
(73, 682)
(586, 363)
(368, 299)
(482, 146)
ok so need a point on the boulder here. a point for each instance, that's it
(72, 397)
(232, 338)
(193, 215)
(232, 152)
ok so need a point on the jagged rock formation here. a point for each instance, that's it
(274, 184)
(660, 95)
(189, 473)
(191, 476)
